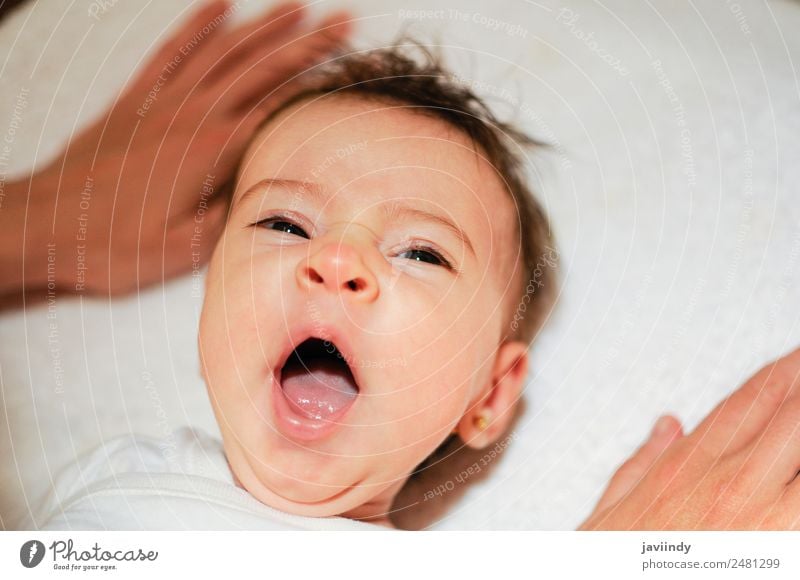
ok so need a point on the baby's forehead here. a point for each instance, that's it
(361, 140)
(394, 133)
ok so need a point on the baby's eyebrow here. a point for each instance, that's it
(393, 210)
(260, 188)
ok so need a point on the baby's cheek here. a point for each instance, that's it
(238, 319)
(465, 313)
(257, 294)
(437, 387)
(427, 301)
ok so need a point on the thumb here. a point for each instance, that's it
(665, 431)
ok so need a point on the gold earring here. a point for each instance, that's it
(482, 421)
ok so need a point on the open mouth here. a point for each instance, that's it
(317, 381)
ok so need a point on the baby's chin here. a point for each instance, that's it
(292, 495)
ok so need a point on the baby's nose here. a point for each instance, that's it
(338, 266)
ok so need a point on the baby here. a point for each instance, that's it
(374, 292)
(370, 294)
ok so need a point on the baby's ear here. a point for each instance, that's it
(489, 417)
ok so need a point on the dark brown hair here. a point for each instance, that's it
(409, 74)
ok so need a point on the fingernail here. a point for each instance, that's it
(661, 427)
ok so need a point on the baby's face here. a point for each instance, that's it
(356, 304)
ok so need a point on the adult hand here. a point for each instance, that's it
(736, 470)
(136, 198)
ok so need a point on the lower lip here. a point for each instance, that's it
(299, 427)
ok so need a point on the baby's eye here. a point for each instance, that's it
(427, 255)
(282, 225)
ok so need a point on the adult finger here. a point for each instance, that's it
(176, 51)
(281, 20)
(740, 418)
(789, 505)
(775, 454)
(665, 432)
(218, 57)
(257, 78)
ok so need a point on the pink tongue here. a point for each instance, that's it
(322, 389)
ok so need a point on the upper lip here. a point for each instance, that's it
(325, 332)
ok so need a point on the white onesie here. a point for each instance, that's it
(177, 483)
